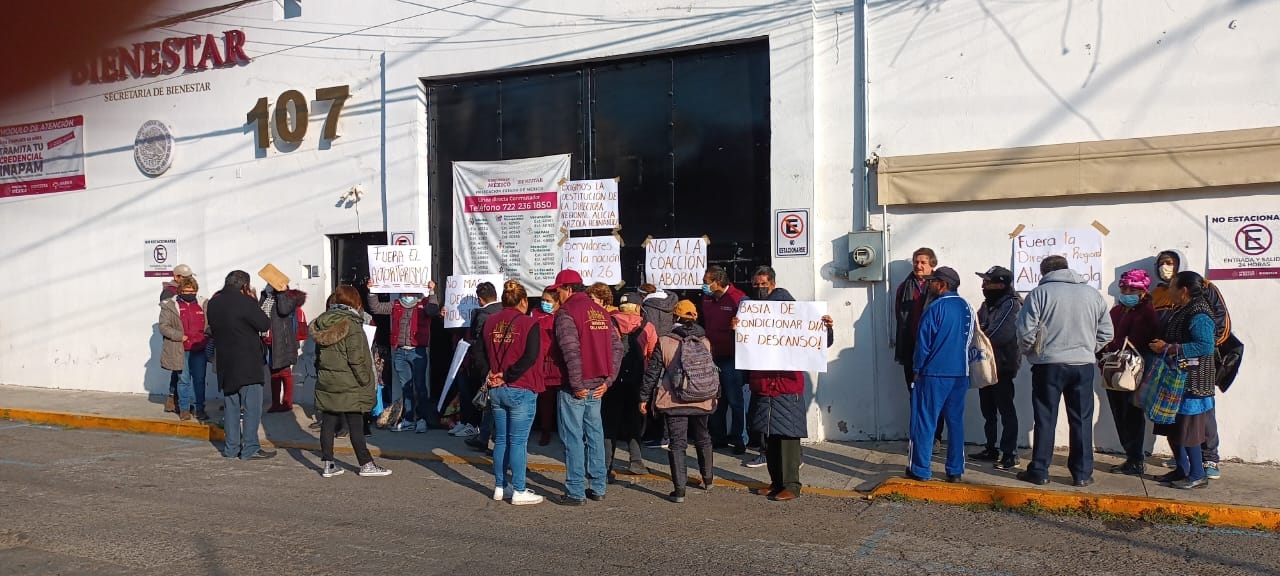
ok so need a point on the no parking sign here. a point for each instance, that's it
(160, 257)
(791, 229)
(402, 239)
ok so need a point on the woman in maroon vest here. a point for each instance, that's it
(511, 342)
(552, 363)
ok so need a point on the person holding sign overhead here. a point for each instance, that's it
(592, 352)
(411, 316)
(777, 404)
(941, 369)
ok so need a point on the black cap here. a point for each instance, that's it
(998, 274)
(946, 274)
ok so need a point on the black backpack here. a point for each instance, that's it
(631, 370)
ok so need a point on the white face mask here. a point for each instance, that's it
(1166, 272)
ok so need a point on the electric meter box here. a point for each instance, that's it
(866, 256)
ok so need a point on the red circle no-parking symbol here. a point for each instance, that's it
(1253, 239)
(792, 226)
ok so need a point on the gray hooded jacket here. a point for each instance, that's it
(1063, 321)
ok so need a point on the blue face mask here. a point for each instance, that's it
(1129, 300)
(706, 289)
(408, 301)
(547, 306)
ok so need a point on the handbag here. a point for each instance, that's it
(1162, 391)
(481, 399)
(1226, 361)
(1122, 369)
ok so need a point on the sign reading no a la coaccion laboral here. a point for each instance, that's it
(1242, 245)
(42, 157)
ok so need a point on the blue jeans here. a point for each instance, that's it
(1051, 384)
(513, 410)
(930, 397)
(729, 423)
(410, 367)
(242, 432)
(581, 431)
(191, 381)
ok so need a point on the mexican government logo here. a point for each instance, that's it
(153, 148)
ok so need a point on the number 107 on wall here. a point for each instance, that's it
(292, 130)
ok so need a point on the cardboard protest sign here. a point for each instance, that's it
(597, 259)
(675, 262)
(403, 269)
(589, 204)
(460, 297)
(273, 276)
(781, 336)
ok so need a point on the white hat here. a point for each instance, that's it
(183, 270)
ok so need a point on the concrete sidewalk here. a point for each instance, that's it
(830, 468)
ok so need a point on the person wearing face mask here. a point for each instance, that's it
(235, 322)
(551, 365)
(1169, 264)
(1134, 318)
(411, 316)
(168, 291)
(912, 298)
(720, 300)
(777, 405)
(1187, 338)
(182, 324)
(996, 318)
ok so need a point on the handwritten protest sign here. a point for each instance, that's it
(589, 204)
(781, 336)
(1082, 249)
(597, 259)
(405, 269)
(675, 262)
(460, 297)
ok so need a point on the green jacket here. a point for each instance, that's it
(344, 366)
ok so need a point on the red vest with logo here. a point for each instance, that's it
(595, 336)
(505, 335)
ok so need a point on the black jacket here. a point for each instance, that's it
(235, 320)
(284, 328)
(998, 322)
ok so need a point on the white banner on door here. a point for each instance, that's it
(460, 297)
(589, 204)
(675, 262)
(507, 220)
(773, 335)
(597, 259)
(403, 269)
(1082, 248)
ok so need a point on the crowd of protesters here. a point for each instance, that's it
(610, 372)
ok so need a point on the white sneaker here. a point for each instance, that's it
(757, 462)
(420, 427)
(331, 469)
(525, 497)
(501, 493)
(372, 469)
(457, 428)
(468, 431)
(402, 426)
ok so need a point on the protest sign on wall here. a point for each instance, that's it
(507, 220)
(597, 259)
(675, 262)
(774, 335)
(1242, 245)
(405, 269)
(1082, 248)
(460, 297)
(589, 204)
(42, 157)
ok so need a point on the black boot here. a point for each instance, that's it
(679, 473)
(706, 465)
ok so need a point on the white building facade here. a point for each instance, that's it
(921, 85)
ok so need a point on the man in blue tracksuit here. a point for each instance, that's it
(941, 376)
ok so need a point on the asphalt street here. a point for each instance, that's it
(99, 503)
